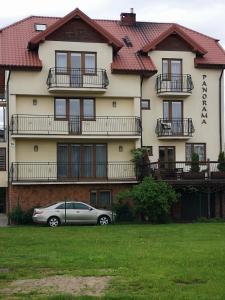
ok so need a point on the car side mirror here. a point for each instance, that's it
(90, 208)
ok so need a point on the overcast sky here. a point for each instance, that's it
(205, 16)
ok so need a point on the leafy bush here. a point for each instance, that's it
(221, 160)
(138, 155)
(195, 162)
(152, 199)
(20, 217)
(124, 211)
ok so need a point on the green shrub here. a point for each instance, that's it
(20, 217)
(152, 200)
(124, 211)
(221, 160)
(195, 162)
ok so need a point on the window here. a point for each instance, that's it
(2, 159)
(66, 205)
(172, 110)
(145, 104)
(88, 108)
(171, 68)
(71, 109)
(82, 160)
(89, 63)
(200, 149)
(61, 62)
(81, 206)
(60, 108)
(40, 27)
(149, 150)
(100, 198)
(85, 62)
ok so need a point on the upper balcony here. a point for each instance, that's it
(77, 79)
(174, 129)
(174, 85)
(46, 126)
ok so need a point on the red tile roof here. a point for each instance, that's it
(196, 47)
(14, 41)
(42, 35)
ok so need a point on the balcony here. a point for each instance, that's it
(178, 171)
(46, 125)
(174, 85)
(174, 129)
(81, 80)
(53, 172)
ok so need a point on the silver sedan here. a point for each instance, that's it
(71, 212)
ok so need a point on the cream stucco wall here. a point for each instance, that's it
(47, 150)
(119, 162)
(104, 106)
(34, 82)
(125, 90)
(192, 107)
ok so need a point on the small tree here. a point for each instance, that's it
(152, 199)
(139, 159)
(221, 162)
(195, 162)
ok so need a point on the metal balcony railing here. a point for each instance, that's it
(77, 78)
(174, 127)
(66, 172)
(187, 170)
(49, 125)
(174, 83)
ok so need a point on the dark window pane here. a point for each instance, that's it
(75, 160)
(104, 199)
(2, 159)
(62, 160)
(145, 104)
(68, 206)
(93, 198)
(81, 206)
(101, 159)
(88, 160)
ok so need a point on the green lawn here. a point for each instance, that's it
(175, 261)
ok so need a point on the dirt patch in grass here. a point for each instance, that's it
(91, 286)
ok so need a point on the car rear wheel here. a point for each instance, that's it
(53, 222)
(104, 220)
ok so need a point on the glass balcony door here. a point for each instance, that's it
(86, 161)
(75, 125)
(167, 157)
(173, 118)
(76, 77)
(172, 72)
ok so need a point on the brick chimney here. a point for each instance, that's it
(128, 19)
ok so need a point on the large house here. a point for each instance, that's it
(82, 93)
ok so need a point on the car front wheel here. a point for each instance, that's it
(104, 220)
(53, 222)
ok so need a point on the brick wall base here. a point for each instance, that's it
(30, 196)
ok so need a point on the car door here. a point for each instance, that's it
(65, 212)
(84, 214)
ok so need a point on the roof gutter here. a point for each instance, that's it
(220, 110)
